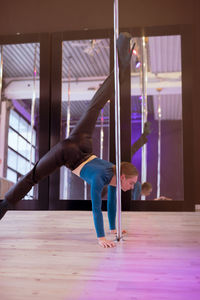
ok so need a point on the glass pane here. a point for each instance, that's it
(157, 98)
(21, 165)
(34, 138)
(21, 75)
(22, 147)
(12, 139)
(12, 159)
(14, 120)
(29, 133)
(85, 66)
(33, 154)
(11, 175)
(23, 128)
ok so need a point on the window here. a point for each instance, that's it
(21, 156)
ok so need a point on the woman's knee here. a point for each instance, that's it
(52, 160)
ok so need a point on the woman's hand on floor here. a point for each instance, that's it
(103, 242)
(114, 231)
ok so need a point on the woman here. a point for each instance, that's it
(75, 153)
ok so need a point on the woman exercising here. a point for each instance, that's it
(75, 153)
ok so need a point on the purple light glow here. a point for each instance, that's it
(21, 110)
(138, 64)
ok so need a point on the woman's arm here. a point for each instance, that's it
(96, 189)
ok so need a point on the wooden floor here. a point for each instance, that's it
(54, 255)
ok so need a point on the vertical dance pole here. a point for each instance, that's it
(159, 142)
(101, 135)
(66, 172)
(144, 109)
(68, 99)
(85, 190)
(117, 118)
(33, 104)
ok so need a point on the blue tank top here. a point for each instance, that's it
(98, 173)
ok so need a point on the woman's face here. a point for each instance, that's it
(128, 183)
(146, 192)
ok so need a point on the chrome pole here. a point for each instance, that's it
(85, 190)
(117, 119)
(159, 142)
(68, 100)
(33, 103)
(144, 109)
(66, 172)
(101, 135)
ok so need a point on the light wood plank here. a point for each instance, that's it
(54, 255)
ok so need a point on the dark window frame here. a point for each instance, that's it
(50, 108)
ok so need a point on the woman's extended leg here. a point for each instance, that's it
(82, 133)
(105, 92)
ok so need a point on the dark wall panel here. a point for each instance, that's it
(27, 16)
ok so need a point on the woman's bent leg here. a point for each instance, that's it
(61, 154)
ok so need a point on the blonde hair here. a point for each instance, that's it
(146, 186)
(128, 169)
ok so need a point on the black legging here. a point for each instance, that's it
(70, 152)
